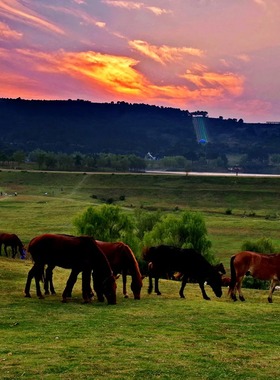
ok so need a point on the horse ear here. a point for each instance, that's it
(117, 276)
(142, 277)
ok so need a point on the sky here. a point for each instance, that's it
(219, 56)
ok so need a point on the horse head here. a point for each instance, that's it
(136, 287)
(215, 282)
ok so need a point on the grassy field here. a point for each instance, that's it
(235, 209)
(157, 337)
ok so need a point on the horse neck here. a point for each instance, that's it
(132, 262)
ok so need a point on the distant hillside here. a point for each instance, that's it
(123, 128)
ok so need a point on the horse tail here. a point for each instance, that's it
(232, 274)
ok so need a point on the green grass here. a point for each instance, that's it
(155, 338)
(158, 337)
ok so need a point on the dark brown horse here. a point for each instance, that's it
(13, 241)
(79, 253)
(178, 276)
(122, 261)
(165, 259)
(260, 266)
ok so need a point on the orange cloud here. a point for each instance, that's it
(202, 78)
(164, 53)
(116, 77)
(14, 10)
(6, 33)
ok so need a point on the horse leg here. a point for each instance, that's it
(205, 296)
(49, 281)
(273, 283)
(14, 251)
(238, 287)
(150, 288)
(5, 249)
(183, 285)
(124, 285)
(67, 292)
(156, 286)
(39, 276)
(30, 275)
(86, 275)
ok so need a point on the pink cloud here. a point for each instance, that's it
(164, 53)
(14, 10)
(6, 33)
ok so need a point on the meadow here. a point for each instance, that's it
(157, 337)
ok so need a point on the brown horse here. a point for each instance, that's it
(13, 241)
(260, 266)
(121, 259)
(79, 253)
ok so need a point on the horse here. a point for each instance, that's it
(13, 241)
(190, 263)
(79, 253)
(176, 276)
(260, 266)
(121, 259)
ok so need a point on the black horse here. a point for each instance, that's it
(79, 253)
(190, 263)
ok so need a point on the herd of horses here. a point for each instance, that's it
(102, 263)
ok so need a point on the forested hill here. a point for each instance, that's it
(124, 128)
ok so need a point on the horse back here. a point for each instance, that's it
(60, 250)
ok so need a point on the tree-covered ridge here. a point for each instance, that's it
(135, 129)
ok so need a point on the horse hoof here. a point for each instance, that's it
(242, 298)
(125, 296)
(64, 300)
(47, 293)
(27, 296)
(41, 297)
(269, 300)
(158, 293)
(53, 293)
(182, 296)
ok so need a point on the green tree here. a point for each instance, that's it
(145, 221)
(187, 230)
(39, 157)
(106, 223)
(19, 156)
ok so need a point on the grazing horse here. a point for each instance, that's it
(189, 262)
(79, 253)
(260, 266)
(121, 259)
(13, 241)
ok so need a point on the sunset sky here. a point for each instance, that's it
(220, 56)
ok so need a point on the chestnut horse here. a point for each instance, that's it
(260, 266)
(121, 259)
(13, 241)
(79, 253)
(191, 264)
